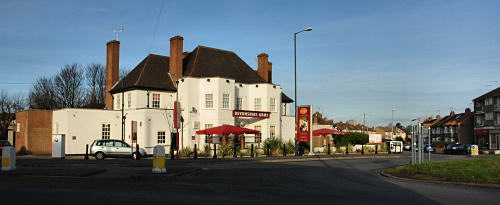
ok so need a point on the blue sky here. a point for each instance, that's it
(421, 57)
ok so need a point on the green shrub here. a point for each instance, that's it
(274, 145)
(290, 147)
(186, 152)
(351, 138)
(225, 150)
(441, 144)
(206, 151)
(382, 147)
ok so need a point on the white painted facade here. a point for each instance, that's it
(155, 116)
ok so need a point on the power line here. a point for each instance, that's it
(156, 26)
(10, 83)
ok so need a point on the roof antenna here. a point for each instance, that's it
(117, 31)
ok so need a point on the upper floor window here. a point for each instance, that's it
(209, 100)
(208, 126)
(225, 101)
(118, 102)
(488, 101)
(161, 137)
(239, 103)
(106, 131)
(196, 125)
(129, 100)
(272, 104)
(156, 100)
(488, 116)
(498, 119)
(258, 104)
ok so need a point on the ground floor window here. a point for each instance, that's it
(161, 137)
(106, 131)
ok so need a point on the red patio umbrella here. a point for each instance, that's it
(226, 130)
(326, 131)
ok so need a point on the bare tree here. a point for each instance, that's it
(69, 86)
(42, 95)
(123, 72)
(95, 75)
(9, 105)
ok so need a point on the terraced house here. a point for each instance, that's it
(487, 120)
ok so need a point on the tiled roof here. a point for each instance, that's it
(212, 62)
(459, 118)
(151, 74)
(494, 92)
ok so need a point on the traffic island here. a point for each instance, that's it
(475, 172)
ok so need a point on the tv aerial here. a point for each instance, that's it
(117, 31)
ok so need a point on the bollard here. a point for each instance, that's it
(376, 148)
(159, 159)
(172, 157)
(215, 151)
(235, 155)
(328, 148)
(8, 158)
(251, 150)
(137, 153)
(268, 150)
(86, 152)
(195, 152)
(284, 150)
(362, 149)
(347, 149)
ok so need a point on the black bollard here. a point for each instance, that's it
(87, 152)
(235, 155)
(195, 152)
(284, 150)
(251, 150)
(172, 157)
(362, 149)
(268, 150)
(137, 153)
(328, 148)
(215, 151)
(346, 150)
(376, 149)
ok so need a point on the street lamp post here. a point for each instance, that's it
(295, 85)
(392, 124)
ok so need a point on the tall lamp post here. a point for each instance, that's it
(295, 73)
(392, 124)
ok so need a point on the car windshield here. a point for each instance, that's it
(449, 146)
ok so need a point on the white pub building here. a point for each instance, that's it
(213, 87)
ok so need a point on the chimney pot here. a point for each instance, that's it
(263, 66)
(176, 56)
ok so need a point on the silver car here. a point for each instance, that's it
(101, 149)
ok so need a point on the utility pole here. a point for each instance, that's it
(364, 120)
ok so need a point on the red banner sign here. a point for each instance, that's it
(482, 132)
(303, 123)
(246, 113)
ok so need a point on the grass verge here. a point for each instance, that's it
(480, 170)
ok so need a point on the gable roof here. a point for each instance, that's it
(285, 99)
(211, 62)
(494, 92)
(151, 74)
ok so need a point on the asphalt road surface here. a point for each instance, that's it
(340, 181)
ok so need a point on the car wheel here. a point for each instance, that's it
(134, 156)
(99, 156)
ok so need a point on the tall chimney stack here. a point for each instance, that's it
(263, 66)
(176, 57)
(112, 64)
(270, 73)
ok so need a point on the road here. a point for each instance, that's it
(342, 181)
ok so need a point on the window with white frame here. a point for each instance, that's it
(272, 131)
(258, 104)
(196, 125)
(488, 101)
(225, 101)
(106, 131)
(239, 103)
(488, 116)
(161, 137)
(156, 100)
(118, 102)
(272, 104)
(208, 126)
(129, 100)
(209, 101)
(258, 128)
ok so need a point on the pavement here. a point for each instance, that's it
(352, 179)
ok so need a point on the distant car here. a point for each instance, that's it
(407, 146)
(458, 149)
(431, 148)
(4, 143)
(101, 149)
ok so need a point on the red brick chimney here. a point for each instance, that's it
(112, 63)
(176, 57)
(270, 73)
(263, 66)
